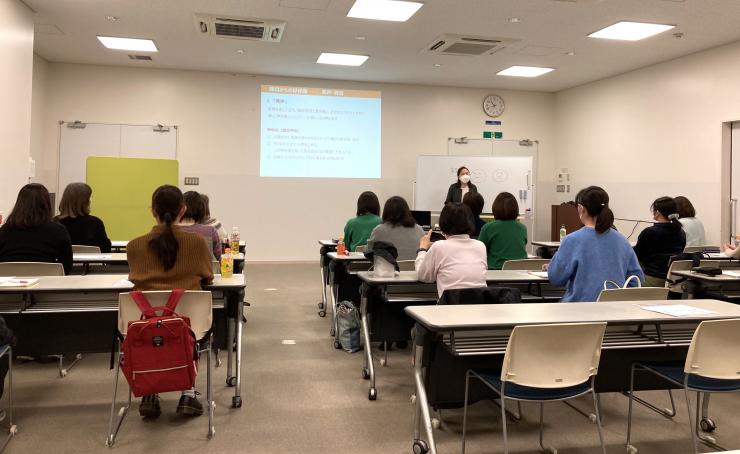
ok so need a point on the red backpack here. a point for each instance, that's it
(159, 352)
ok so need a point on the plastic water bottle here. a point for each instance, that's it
(563, 232)
(235, 237)
(341, 248)
(227, 264)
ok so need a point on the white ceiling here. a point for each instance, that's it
(66, 31)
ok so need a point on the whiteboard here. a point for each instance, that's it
(109, 140)
(490, 174)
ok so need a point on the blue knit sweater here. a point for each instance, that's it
(586, 259)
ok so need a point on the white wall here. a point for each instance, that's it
(652, 132)
(218, 119)
(16, 68)
(38, 120)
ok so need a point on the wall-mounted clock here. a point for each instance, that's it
(493, 105)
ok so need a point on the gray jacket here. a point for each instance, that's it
(405, 239)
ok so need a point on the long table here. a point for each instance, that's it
(405, 289)
(476, 335)
(79, 313)
(117, 262)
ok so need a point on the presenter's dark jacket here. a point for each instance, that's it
(454, 194)
(44, 243)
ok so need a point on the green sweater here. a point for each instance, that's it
(504, 240)
(358, 229)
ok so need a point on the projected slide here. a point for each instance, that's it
(319, 132)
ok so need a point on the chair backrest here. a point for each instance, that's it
(633, 294)
(361, 248)
(684, 265)
(481, 295)
(693, 249)
(29, 269)
(525, 265)
(406, 265)
(195, 304)
(553, 356)
(715, 350)
(82, 249)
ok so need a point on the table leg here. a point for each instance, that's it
(368, 369)
(690, 289)
(422, 415)
(322, 304)
(334, 293)
(235, 300)
(236, 401)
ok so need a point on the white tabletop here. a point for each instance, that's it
(352, 256)
(488, 316)
(106, 282)
(119, 243)
(327, 242)
(548, 244)
(703, 277)
(117, 257)
(410, 277)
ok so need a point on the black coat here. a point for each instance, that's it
(454, 194)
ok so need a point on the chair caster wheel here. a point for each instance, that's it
(321, 306)
(365, 373)
(592, 418)
(231, 381)
(372, 394)
(413, 399)
(332, 333)
(707, 424)
(322, 313)
(383, 362)
(236, 402)
(420, 447)
(108, 443)
(63, 373)
(435, 423)
(631, 449)
(337, 345)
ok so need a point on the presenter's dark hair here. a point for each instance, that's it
(458, 173)
(667, 207)
(195, 208)
(456, 219)
(505, 207)
(32, 207)
(368, 203)
(685, 207)
(167, 201)
(596, 203)
(475, 202)
(75, 201)
(396, 212)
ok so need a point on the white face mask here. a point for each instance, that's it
(465, 178)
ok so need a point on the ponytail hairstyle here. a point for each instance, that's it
(667, 207)
(167, 201)
(596, 203)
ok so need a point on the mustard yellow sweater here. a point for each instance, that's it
(192, 266)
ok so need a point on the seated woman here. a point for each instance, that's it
(692, 227)
(29, 235)
(164, 259)
(192, 221)
(398, 228)
(74, 214)
(505, 237)
(213, 222)
(358, 229)
(658, 243)
(593, 254)
(457, 262)
(475, 202)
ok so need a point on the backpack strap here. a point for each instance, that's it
(174, 299)
(142, 303)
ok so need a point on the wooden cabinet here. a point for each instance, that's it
(564, 214)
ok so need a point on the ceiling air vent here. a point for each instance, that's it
(239, 28)
(467, 45)
(140, 57)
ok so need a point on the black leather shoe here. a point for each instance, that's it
(149, 407)
(189, 406)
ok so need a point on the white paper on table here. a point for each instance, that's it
(677, 310)
(731, 273)
(93, 256)
(124, 283)
(717, 255)
(542, 274)
(6, 278)
(18, 282)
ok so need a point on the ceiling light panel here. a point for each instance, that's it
(328, 58)
(135, 44)
(630, 31)
(389, 10)
(524, 71)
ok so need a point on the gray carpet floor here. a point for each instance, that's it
(310, 398)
